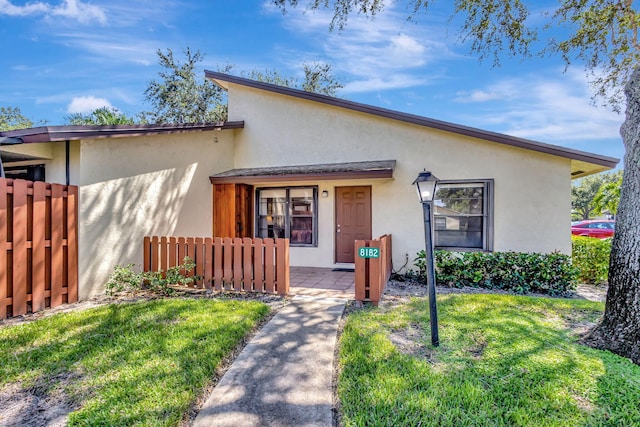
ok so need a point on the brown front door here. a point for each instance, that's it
(353, 220)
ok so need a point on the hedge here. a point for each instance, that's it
(517, 272)
(591, 259)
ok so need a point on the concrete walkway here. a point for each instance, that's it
(283, 377)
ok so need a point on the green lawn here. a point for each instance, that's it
(124, 364)
(502, 361)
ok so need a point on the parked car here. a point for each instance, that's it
(594, 228)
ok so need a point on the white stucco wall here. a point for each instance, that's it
(55, 169)
(134, 187)
(53, 156)
(531, 193)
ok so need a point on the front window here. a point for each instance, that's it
(463, 215)
(288, 213)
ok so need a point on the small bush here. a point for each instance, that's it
(127, 279)
(516, 272)
(591, 258)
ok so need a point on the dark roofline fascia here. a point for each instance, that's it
(528, 144)
(314, 176)
(65, 133)
(9, 140)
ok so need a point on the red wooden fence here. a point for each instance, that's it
(372, 274)
(234, 264)
(38, 246)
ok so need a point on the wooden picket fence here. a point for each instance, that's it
(372, 274)
(38, 246)
(232, 264)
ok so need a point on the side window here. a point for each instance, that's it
(463, 215)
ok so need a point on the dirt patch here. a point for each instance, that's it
(43, 404)
(411, 341)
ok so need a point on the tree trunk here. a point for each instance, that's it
(619, 330)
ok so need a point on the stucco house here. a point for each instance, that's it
(318, 170)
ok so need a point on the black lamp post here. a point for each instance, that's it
(426, 185)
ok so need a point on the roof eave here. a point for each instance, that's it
(321, 176)
(64, 133)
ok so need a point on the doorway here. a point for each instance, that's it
(353, 220)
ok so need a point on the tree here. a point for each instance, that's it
(608, 197)
(11, 118)
(100, 116)
(317, 78)
(585, 191)
(179, 97)
(602, 35)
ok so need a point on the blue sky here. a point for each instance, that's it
(60, 57)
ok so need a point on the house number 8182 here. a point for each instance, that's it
(369, 252)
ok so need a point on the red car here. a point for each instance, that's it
(594, 228)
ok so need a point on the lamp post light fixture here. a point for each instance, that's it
(426, 185)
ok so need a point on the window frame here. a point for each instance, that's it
(488, 215)
(288, 213)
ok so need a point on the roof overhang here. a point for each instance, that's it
(70, 133)
(380, 169)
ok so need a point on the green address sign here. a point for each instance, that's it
(369, 252)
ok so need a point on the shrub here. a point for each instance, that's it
(516, 272)
(127, 279)
(591, 258)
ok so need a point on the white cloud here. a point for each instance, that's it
(132, 50)
(6, 8)
(83, 12)
(73, 9)
(380, 53)
(501, 91)
(547, 106)
(395, 81)
(87, 104)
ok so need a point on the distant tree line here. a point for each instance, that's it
(596, 195)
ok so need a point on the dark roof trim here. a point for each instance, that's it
(6, 140)
(64, 133)
(555, 150)
(381, 169)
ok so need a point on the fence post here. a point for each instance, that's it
(72, 243)
(282, 265)
(57, 253)
(199, 260)
(218, 264)
(163, 252)
(372, 274)
(19, 251)
(269, 261)
(247, 264)
(361, 279)
(208, 263)
(4, 283)
(38, 250)
(375, 274)
(258, 265)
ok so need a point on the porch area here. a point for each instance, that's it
(325, 282)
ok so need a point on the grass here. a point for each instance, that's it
(142, 363)
(502, 361)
